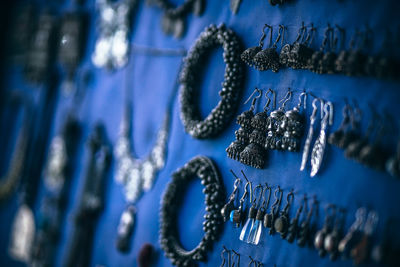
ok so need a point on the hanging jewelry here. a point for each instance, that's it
(269, 58)
(335, 137)
(235, 261)
(261, 213)
(314, 62)
(247, 232)
(327, 62)
(307, 144)
(281, 224)
(269, 218)
(356, 60)
(256, 228)
(275, 133)
(293, 228)
(221, 115)
(353, 133)
(236, 215)
(243, 133)
(205, 169)
(114, 26)
(330, 213)
(306, 229)
(230, 205)
(360, 252)
(284, 55)
(247, 55)
(331, 241)
(254, 153)
(293, 126)
(354, 234)
(343, 55)
(173, 19)
(317, 153)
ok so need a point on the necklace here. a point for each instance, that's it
(134, 174)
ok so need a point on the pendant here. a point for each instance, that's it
(125, 228)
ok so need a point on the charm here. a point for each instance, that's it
(230, 205)
(332, 239)
(281, 224)
(269, 218)
(248, 230)
(236, 215)
(318, 150)
(320, 236)
(293, 126)
(317, 56)
(354, 234)
(125, 228)
(269, 58)
(243, 133)
(306, 230)
(248, 55)
(294, 223)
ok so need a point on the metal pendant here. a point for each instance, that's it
(125, 228)
(234, 5)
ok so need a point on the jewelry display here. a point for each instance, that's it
(248, 55)
(281, 224)
(293, 228)
(243, 133)
(250, 227)
(92, 199)
(320, 236)
(73, 31)
(268, 58)
(10, 180)
(260, 215)
(114, 26)
(318, 150)
(204, 169)
(41, 51)
(57, 176)
(221, 115)
(173, 19)
(236, 215)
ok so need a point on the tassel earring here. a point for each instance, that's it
(260, 215)
(247, 230)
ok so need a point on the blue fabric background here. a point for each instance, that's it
(151, 79)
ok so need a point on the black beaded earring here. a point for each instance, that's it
(269, 58)
(315, 60)
(236, 215)
(281, 224)
(285, 55)
(294, 223)
(327, 62)
(230, 205)
(356, 59)
(254, 153)
(243, 133)
(331, 242)
(248, 55)
(319, 239)
(268, 216)
(275, 133)
(341, 60)
(306, 229)
(293, 126)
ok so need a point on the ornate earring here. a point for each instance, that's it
(248, 229)
(281, 224)
(301, 52)
(275, 132)
(341, 60)
(236, 215)
(260, 215)
(248, 55)
(254, 153)
(305, 227)
(243, 133)
(335, 137)
(319, 239)
(354, 234)
(294, 224)
(269, 58)
(307, 144)
(314, 62)
(356, 59)
(332, 239)
(293, 125)
(230, 205)
(285, 55)
(327, 63)
(317, 153)
(360, 252)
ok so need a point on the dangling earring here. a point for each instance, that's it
(254, 153)
(354, 234)
(230, 205)
(293, 125)
(313, 63)
(317, 153)
(285, 54)
(327, 63)
(330, 213)
(302, 52)
(243, 133)
(236, 215)
(294, 224)
(343, 55)
(260, 215)
(248, 55)
(269, 218)
(354, 133)
(247, 231)
(307, 144)
(335, 137)
(332, 239)
(269, 58)
(360, 251)
(281, 224)
(356, 60)
(274, 134)
(305, 228)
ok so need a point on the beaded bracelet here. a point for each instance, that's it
(203, 168)
(221, 115)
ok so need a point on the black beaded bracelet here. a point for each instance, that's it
(203, 168)
(222, 114)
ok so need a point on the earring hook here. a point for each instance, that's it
(310, 35)
(287, 97)
(238, 258)
(253, 102)
(265, 203)
(300, 32)
(270, 33)
(328, 113)
(304, 95)
(289, 200)
(225, 250)
(263, 36)
(266, 106)
(255, 204)
(248, 184)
